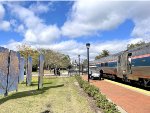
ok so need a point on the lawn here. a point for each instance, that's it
(59, 95)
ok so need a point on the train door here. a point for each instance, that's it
(129, 70)
(119, 73)
(123, 65)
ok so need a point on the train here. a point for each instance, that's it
(131, 65)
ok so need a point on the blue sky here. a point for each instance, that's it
(57, 14)
(66, 26)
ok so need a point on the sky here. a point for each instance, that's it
(66, 26)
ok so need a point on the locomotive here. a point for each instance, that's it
(131, 65)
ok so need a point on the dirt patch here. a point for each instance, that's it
(46, 111)
(91, 101)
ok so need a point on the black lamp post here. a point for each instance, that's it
(76, 66)
(79, 64)
(88, 46)
(82, 68)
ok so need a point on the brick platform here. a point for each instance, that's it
(129, 100)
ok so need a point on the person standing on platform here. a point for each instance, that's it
(100, 74)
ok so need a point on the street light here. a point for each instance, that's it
(88, 46)
(82, 68)
(75, 66)
(79, 64)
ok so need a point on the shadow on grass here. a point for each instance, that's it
(36, 84)
(28, 93)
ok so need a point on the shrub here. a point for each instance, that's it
(101, 100)
(94, 90)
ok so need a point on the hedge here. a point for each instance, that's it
(101, 100)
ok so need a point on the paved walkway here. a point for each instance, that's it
(130, 100)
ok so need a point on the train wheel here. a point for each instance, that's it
(114, 77)
(125, 79)
(146, 82)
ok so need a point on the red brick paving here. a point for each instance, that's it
(130, 101)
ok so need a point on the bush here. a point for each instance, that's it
(101, 100)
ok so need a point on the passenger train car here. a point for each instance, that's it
(130, 65)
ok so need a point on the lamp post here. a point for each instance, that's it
(88, 46)
(82, 68)
(79, 64)
(75, 66)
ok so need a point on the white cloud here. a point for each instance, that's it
(92, 16)
(42, 35)
(12, 45)
(85, 19)
(20, 28)
(39, 7)
(4, 25)
(2, 11)
(35, 30)
(74, 48)
(26, 16)
(142, 29)
(88, 17)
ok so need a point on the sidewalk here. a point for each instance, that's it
(130, 100)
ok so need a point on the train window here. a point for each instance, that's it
(129, 54)
(119, 62)
(98, 65)
(112, 64)
(102, 64)
(106, 64)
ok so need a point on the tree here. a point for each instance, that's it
(85, 62)
(26, 50)
(131, 46)
(55, 59)
(52, 58)
(65, 61)
(104, 53)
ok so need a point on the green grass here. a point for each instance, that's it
(59, 95)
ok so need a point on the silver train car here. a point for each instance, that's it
(131, 65)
